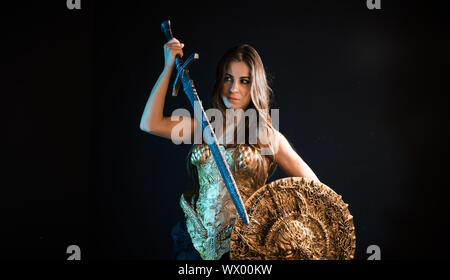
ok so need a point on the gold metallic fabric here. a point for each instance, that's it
(210, 212)
(295, 218)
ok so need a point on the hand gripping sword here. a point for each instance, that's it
(209, 135)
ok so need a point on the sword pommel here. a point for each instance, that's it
(165, 27)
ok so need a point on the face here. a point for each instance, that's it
(236, 85)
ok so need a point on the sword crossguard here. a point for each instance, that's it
(180, 69)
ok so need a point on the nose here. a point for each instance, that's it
(234, 86)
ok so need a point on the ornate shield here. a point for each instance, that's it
(294, 218)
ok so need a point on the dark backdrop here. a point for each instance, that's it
(359, 98)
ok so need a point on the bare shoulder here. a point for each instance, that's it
(280, 138)
(275, 141)
(283, 149)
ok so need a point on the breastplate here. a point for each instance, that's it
(210, 212)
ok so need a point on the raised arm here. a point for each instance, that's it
(153, 120)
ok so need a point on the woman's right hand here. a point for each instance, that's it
(171, 50)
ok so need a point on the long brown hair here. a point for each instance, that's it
(260, 93)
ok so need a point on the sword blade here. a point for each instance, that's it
(212, 142)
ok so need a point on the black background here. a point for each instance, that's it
(358, 90)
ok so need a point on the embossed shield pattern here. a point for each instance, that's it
(295, 218)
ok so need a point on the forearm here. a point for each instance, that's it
(294, 166)
(153, 112)
(291, 162)
(301, 169)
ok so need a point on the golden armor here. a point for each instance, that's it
(290, 218)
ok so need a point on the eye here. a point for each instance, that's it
(227, 78)
(245, 81)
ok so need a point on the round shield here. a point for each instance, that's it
(294, 218)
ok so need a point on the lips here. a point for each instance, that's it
(233, 100)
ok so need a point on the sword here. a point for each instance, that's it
(201, 117)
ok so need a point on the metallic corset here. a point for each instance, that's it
(210, 212)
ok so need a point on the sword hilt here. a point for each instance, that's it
(167, 30)
(181, 67)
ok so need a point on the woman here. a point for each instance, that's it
(210, 214)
